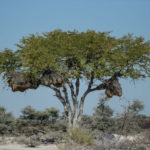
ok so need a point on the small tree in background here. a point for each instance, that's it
(49, 115)
(102, 116)
(136, 107)
(102, 108)
(53, 114)
(28, 113)
(128, 122)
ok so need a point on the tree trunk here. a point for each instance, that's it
(74, 118)
(70, 119)
(74, 110)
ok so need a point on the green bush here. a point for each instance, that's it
(32, 122)
(6, 122)
(58, 126)
(102, 117)
(87, 122)
(81, 137)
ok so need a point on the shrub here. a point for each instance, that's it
(128, 122)
(6, 121)
(25, 127)
(81, 137)
(87, 122)
(58, 126)
(102, 116)
(32, 142)
(21, 139)
(141, 148)
(104, 124)
(28, 113)
(52, 137)
(146, 135)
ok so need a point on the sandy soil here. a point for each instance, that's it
(23, 147)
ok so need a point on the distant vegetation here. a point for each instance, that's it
(34, 127)
(32, 122)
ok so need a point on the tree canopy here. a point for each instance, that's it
(74, 53)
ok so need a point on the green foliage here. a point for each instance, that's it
(136, 107)
(50, 114)
(9, 61)
(102, 116)
(103, 124)
(81, 137)
(129, 121)
(28, 113)
(87, 122)
(24, 127)
(74, 53)
(6, 121)
(103, 109)
(32, 121)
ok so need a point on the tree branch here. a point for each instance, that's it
(74, 98)
(102, 86)
(66, 97)
(85, 94)
(99, 87)
(59, 96)
(77, 87)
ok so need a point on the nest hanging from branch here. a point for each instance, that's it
(52, 78)
(18, 82)
(113, 87)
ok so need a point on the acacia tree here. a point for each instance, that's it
(59, 60)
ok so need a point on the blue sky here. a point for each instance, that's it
(23, 17)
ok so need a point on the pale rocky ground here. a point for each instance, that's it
(10, 143)
(23, 147)
(103, 142)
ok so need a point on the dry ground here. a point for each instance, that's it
(23, 147)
